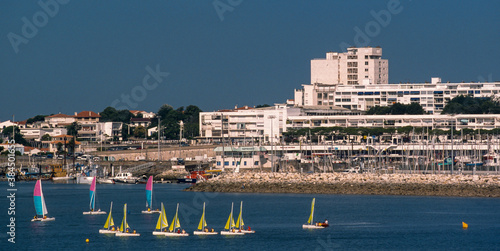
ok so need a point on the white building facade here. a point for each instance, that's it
(351, 68)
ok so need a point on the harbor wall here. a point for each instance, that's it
(350, 183)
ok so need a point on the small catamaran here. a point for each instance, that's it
(149, 197)
(41, 209)
(230, 226)
(92, 200)
(202, 230)
(240, 223)
(109, 226)
(124, 227)
(175, 227)
(162, 224)
(310, 223)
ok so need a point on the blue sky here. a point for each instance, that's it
(87, 55)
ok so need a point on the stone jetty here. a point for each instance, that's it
(354, 183)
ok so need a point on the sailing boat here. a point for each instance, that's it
(109, 226)
(162, 223)
(41, 209)
(124, 227)
(149, 197)
(202, 226)
(230, 226)
(310, 223)
(240, 223)
(92, 200)
(176, 226)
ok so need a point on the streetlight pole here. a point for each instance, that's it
(159, 132)
(271, 117)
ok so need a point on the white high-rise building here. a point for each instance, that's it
(355, 67)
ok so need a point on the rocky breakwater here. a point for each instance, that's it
(352, 183)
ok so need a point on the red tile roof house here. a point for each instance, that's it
(59, 120)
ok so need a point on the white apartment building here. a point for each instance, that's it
(254, 125)
(432, 96)
(37, 133)
(351, 67)
(244, 124)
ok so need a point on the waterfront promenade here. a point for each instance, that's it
(355, 183)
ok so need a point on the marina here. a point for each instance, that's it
(356, 221)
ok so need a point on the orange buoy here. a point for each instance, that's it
(465, 225)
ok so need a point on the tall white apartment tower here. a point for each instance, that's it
(355, 67)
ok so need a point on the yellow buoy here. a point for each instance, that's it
(465, 225)
(87, 240)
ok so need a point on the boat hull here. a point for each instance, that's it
(231, 233)
(158, 233)
(127, 234)
(204, 233)
(84, 180)
(94, 212)
(248, 231)
(186, 180)
(107, 231)
(170, 234)
(126, 181)
(151, 212)
(46, 219)
(305, 226)
(105, 181)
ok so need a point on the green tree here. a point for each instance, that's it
(73, 129)
(110, 114)
(261, 106)
(46, 137)
(36, 119)
(140, 132)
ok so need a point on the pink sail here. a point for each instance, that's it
(149, 185)
(38, 188)
(92, 186)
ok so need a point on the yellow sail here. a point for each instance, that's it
(203, 223)
(175, 222)
(465, 225)
(311, 217)
(230, 221)
(109, 221)
(162, 220)
(124, 226)
(239, 222)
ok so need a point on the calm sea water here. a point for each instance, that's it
(357, 222)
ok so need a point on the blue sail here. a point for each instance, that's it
(149, 198)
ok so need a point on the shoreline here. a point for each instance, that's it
(359, 184)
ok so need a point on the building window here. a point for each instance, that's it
(256, 163)
(366, 62)
(226, 163)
